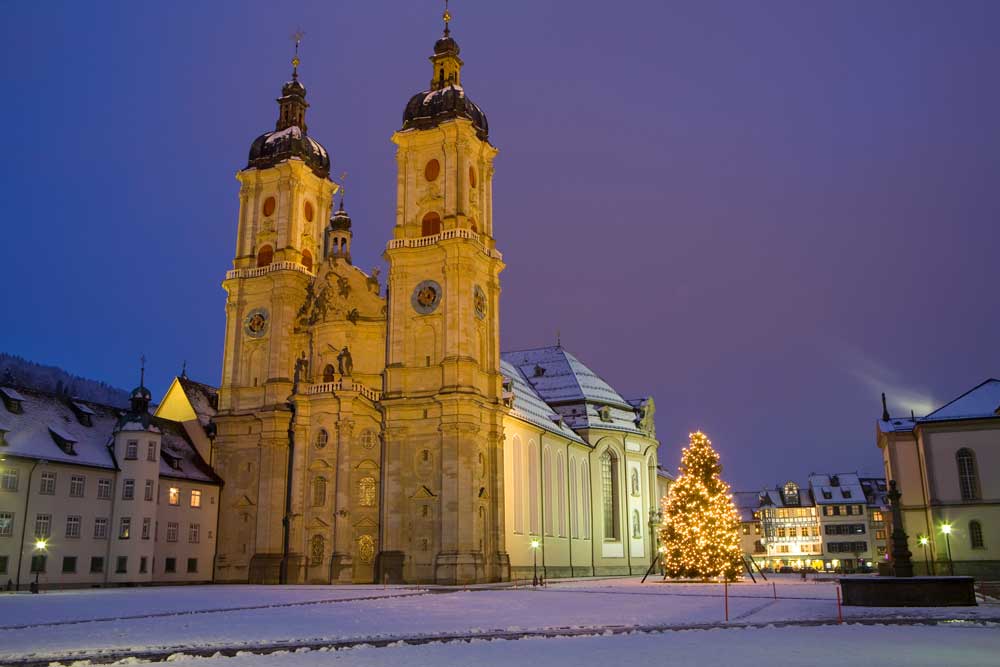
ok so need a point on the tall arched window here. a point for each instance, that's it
(976, 535)
(328, 372)
(319, 492)
(533, 488)
(547, 504)
(610, 495)
(430, 225)
(307, 260)
(968, 476)
(322, 438)
(560, 495)
(574, 499)
(265, 255)
(517, 468)
(585, 509)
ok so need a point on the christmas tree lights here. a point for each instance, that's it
(700, 533)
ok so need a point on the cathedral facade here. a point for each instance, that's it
(371, 433)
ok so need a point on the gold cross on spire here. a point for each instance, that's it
(297, 38)
(447, 18)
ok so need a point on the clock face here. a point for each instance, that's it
(479, 301)
(426, 297)
(255, 323)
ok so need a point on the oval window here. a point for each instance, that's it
(309, 211)
(432, 170)
(472, 176)
(268, 207)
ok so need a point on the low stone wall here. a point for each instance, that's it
(908, 591)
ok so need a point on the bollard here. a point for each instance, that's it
(774, 589)
(727, 600)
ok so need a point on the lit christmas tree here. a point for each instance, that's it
(700, 533)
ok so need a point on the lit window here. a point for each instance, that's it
(174, 496)
(125, 528)
(195, 498)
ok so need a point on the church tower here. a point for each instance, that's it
(285, 201)
(442, 509)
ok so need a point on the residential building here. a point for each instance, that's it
(751, 531)
(79, 490)
(846, 519)
(791, 528)
(947, 467)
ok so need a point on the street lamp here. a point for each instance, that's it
(924, 541)
(535, 544)
(40, 545)
(946, 529)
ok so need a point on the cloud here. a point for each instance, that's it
(901, 397)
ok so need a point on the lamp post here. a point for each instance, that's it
(535, 544)
(946, 529)
(40, 545)
(924, 541)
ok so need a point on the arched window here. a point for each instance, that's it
(574, 499)
(610, 495)
(533, 488)
(976, 535)
(319, 491)
(517, 468)
(430, 225)
(547, 505)
(968, 475)
(560, 495)
(265, 255)
(322, 438)
(587, 501)
(328, 372)
(307, 260)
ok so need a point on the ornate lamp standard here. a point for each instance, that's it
(924, 541)
(946, 529)
(41, 546)
(535, 544)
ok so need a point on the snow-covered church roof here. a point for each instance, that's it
(571, 389)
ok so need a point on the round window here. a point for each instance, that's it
(432, 170)
(269, 207)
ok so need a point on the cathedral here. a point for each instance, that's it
(376, 433)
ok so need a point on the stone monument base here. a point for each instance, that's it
(908, 591)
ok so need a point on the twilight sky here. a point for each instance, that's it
(761, 213)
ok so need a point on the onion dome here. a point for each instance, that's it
(290, 138)
(340, 221)
(445, 99)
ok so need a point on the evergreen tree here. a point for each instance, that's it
(700, 532)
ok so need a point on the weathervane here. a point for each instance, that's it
(343, 188)
(297, 38)
(142, 371)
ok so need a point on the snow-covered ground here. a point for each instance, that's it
(89, 623)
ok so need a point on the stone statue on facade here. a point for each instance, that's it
(345, 364)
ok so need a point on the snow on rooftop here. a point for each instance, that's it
(530, 407)
(11, 394)
(980, 401)
(294, 131)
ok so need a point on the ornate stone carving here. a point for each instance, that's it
(366, 548)
(317, 550)
(366, 492)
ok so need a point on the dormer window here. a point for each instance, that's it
(827, 494)
(604, 412)
(539, 371)
(84, 415)
(846, 492)
(3, 437)
(64, 441)
(12, 400)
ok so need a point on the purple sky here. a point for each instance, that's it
(763, 214)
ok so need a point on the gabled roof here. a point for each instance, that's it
(573, 390)
(746, 503)
(530, 407)
(842, 489)
(179, 457)
(981, 401)
(32, 432)
(204, 398)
